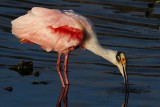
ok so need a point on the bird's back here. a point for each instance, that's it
(50, 28)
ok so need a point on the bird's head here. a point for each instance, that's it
(121, 62)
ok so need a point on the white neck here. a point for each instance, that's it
(93, 45)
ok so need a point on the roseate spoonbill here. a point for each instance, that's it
(63, 31)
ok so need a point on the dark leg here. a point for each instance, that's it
(66, 68)
(59, 69)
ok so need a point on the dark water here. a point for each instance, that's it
(132, 26)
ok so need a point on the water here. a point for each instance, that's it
(132, 26)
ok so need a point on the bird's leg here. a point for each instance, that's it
(59, 69)
(66, 68)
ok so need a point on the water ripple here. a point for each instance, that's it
(131, 26)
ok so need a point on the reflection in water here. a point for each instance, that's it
(125, 104)
(63, 96)
(132, 26)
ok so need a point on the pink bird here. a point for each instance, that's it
(63, 31)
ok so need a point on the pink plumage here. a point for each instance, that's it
(63, 31)
(50, 28)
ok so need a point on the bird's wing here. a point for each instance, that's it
(39, 26)
(87, 23)
(34, 20)
(90, 37)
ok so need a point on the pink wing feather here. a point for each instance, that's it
(49, 28)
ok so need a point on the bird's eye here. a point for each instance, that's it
(118, 56)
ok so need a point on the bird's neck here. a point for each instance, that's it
(94, 46)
